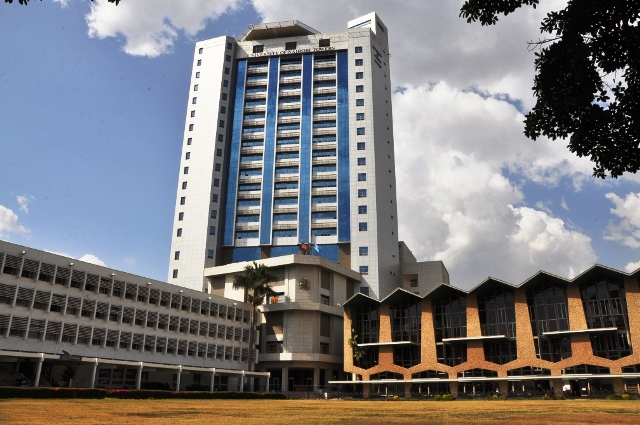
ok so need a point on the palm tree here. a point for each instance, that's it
(255, 281)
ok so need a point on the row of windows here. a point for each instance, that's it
(82, 280)
(22, 327)
(65, 304)
(219, 152)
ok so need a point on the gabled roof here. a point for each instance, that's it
(276, 30)
(533, 280)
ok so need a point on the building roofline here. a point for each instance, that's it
(285, 260)
(283, 29)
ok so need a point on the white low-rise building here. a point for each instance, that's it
(118, 329)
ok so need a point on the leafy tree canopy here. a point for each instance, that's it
(25, 2)
(587, 81)
(255, 280)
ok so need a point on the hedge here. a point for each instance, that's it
(98, 393)
(48, 392)
(149, 394)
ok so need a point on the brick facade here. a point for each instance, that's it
(581, 347)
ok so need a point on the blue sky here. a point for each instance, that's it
(91, 131)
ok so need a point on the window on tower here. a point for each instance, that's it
(290, 45)
(258, 48)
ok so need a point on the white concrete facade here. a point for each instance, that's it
(52, 304)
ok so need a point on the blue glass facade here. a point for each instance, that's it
(304, 226)
(269, 152)
(344, 200)
(305, 155)
(249, 253)
(234, 156)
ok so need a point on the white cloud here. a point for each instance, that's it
(90, 258)
(23, 201)
(631, 267)
(430, 42)
(150, 27)
(130, 261)
(625, 230)
(9, 222)
(454, 202)
(63, 3)
(563, 204)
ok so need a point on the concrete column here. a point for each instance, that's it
(93, 375)
(178, 380)
(316, 378)
(38, 370)
(366, 390)
(557, 385)
(242, 382)
(213, 377)
(268, 377)
(284, 384)
(139, 376)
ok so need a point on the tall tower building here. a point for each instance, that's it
(289, 139)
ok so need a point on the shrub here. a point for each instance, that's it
(49, 392)
(437, 397)
(149, 394)
(627, 397)
(448, 397)
(614, 397)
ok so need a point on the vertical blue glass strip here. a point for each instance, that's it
(304, 198)
(234, 155)
(269, 152)
(344, 195)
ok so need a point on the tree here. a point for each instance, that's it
(25, 2)
(357, 351)
(255, 281)
(68, 374)
(587, 81)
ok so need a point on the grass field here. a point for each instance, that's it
(228, 412)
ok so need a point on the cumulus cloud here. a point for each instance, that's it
(150, 27)
(625, 230)
(631, 267)
(430, 42)
(63, 3)
(454, 202)
(90, 258)
(23, 201)
(9, 222)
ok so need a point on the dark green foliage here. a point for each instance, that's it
(588, 78)
(48, 392)
(255, 281)
(97, 393)
(205, 395)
